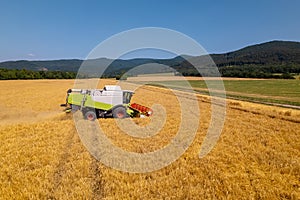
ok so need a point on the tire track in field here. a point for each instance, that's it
(61, 168)
(97, 181)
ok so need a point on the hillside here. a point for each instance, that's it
(51, 65)
(256, 61)
(261, 60)
(270, 53)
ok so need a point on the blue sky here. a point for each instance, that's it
(39, 30)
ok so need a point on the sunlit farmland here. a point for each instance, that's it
(286, 92)
(42, 157)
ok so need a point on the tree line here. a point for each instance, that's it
(260, 71)
(228, 71)
(250, 71)
(14, 74)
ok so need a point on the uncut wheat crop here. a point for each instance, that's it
(42, 157)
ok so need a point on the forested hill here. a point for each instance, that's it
(266, 60)
(270, 53)
(261, 60)
(51, 65)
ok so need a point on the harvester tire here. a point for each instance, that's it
(90, 115)
(119, 112)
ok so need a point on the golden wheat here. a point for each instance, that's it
(257, 155)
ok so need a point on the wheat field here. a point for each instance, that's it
(42, 157)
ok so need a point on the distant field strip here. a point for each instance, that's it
(278, 92)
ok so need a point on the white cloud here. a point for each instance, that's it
(31, 55)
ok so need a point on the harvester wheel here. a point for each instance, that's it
(90, 115)
(119, 112)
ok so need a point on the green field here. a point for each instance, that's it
(263, 91)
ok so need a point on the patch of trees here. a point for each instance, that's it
(281, 72)
(248, 71)
(14, 74)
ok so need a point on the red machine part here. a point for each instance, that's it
(143, 109)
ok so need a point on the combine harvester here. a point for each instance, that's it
(111, 101)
